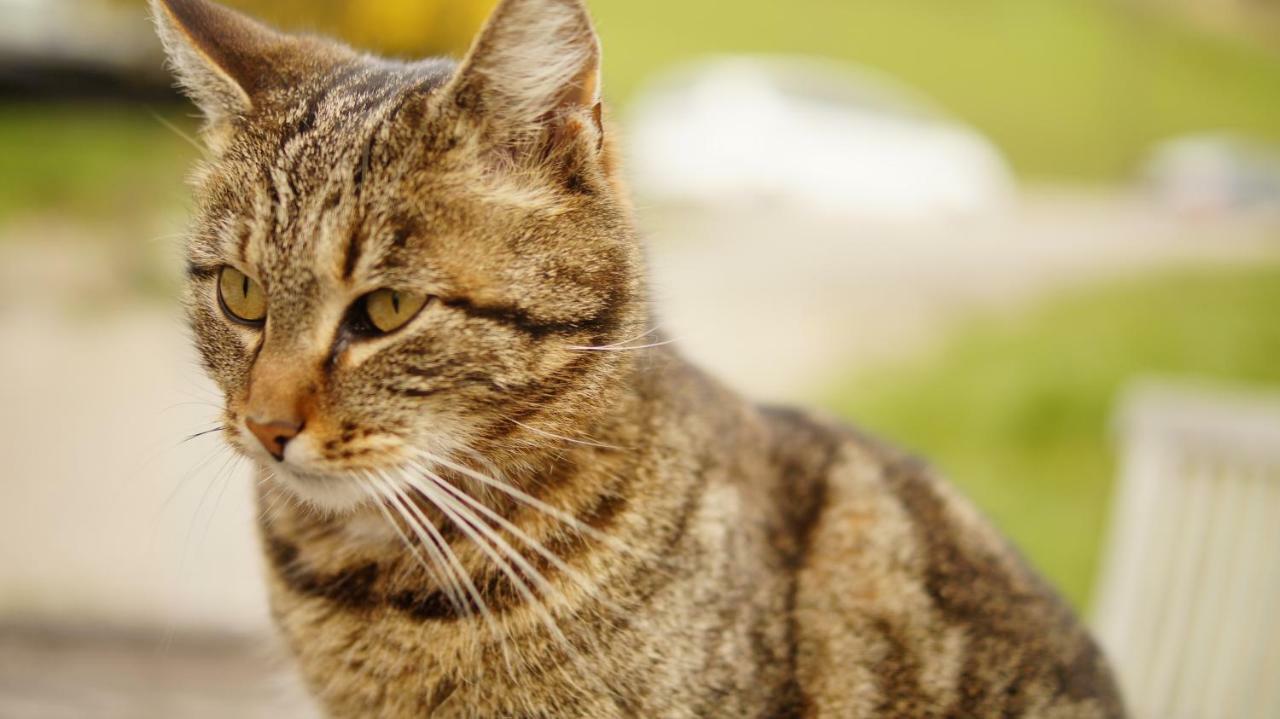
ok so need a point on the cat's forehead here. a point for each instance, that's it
(318, 171)
(335, 115)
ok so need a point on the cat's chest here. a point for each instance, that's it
(383, 661)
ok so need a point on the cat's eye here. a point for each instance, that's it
(389, 310)
(241, 298)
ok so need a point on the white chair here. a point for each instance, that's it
(1188, 602)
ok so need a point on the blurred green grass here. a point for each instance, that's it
(1016, 409)
(1075, 89)
(93, 161)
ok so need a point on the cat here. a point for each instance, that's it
(488, 487)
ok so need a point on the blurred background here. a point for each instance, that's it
(1037, 241)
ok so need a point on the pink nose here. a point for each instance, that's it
(274, 435)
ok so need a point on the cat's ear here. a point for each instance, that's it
(535, 62)
(224, 60)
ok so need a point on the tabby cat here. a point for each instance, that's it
(487, 486)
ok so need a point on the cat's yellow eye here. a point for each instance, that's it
(389, 310)
(242, 299)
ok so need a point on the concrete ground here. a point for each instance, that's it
(62, 673)
(129, 575)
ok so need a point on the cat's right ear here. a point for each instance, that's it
(224, 60)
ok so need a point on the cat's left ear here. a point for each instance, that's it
(229, 63)
(536, 62)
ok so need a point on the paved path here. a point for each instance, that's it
(62, 674)
(780, 305)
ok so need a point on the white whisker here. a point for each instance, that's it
(482, 535)
(493, 536)
(619, 348)
(629, 340)
(562, 438)
(436, 565)
(515, 531)
(459, 572)
(435, 544)
(568, 519)
(183, 135)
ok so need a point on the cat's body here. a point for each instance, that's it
(804, 571)
(488, 489)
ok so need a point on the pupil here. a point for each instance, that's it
(244, 287)
(395, 302)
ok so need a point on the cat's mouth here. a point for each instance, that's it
(335, 492)
(302, 469)
(339, 467)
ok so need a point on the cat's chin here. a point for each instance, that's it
(332, 494)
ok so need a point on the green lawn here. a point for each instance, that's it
(93, 161)
(1017, 410)
(1068, 88)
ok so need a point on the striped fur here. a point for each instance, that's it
(628, 537)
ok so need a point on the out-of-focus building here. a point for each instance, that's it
(816, 133)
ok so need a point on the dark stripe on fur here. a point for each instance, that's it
(520, 319)
(1013, 619)
(201, 272)
(355, 246)
(898, 674)
(351, 587)
(802, 490)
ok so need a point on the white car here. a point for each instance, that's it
(820, 134)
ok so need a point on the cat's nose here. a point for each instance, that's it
(274, 435)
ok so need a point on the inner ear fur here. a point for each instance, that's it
(228, 63)
(532, 75)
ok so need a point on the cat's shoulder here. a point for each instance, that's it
(908, 601)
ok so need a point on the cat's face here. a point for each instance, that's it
(393, 261)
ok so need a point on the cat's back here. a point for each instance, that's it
(906, 602)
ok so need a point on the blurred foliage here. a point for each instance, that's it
(1017, 410)
(407, 28)
(117, 163)
(1075, 89)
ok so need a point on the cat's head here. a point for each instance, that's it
(390, 259)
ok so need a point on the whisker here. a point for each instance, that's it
(179, 132)
(448, 587)
(457, 579)
(431, 539)
(497, 539)
(629, 340)
(191, 403)
(191, 474)
(473, 527)
(467, 528)
(449, 571)
(539, 505)
(274, 495)
(188, 438)
(616, 348)
(227, 478)
(397, 495)
(515, 531)
(576, 659)
(186, 542)
(552, 435)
